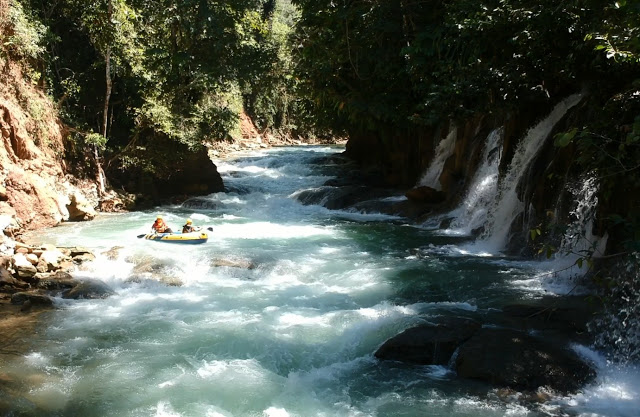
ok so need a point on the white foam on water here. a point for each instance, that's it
(231, 217)
(396, 198)
(275, 412)
(364, 217)
(164, 409)
(37, 359)
(552, 278)
(471, 250)
(268, 230)
(447, 304)
(615, 392)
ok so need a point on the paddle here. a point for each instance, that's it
(210, 229)
(141, 236)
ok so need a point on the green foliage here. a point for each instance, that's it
(399, 63)
(563, 139)
(180, 70)
(96, 139)
(619, 34)
(23, 36)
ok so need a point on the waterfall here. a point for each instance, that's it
(507, 205)
(472, 213)
(579, 240)
(443, 152)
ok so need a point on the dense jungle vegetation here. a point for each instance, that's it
(143, 83)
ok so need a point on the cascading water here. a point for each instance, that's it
(507, 205)
(481, 194)
(277, 315)
(579, 239)
(562, 273)
(443, 151)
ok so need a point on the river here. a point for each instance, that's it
(280, 312)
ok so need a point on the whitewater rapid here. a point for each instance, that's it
(279, 313)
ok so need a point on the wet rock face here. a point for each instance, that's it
(79, 208)
(89, 289)
(195, 175)
(32, 298)
(200, 203)
(516, 360)
(427, 195)
(429, 344)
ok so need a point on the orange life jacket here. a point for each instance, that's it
(159, 226)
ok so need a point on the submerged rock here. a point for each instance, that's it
(200, 203)
(338, 198)
(32, 298)
(233, 263)
(513, 359)
(113, 253)
(429, 344)
(89, 289)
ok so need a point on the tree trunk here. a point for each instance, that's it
(105, 114)
(107, 96)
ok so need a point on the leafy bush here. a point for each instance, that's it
(23, 35)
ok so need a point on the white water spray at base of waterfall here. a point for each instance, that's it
(508, 206)
(579, 239)
(615, 392)
(443, 152)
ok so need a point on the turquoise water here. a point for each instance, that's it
(279, 313)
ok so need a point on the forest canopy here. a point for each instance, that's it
(143, 83)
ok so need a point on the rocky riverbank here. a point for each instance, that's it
(31, 277)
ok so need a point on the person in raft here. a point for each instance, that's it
(159, 226)
(189, 227)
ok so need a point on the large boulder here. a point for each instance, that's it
(32, 298)
(53, 258)
(23, 267)
(513, 359)
(188, 174)
(6, 279)
(79, 208)
(429, 344)
(55, 282)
